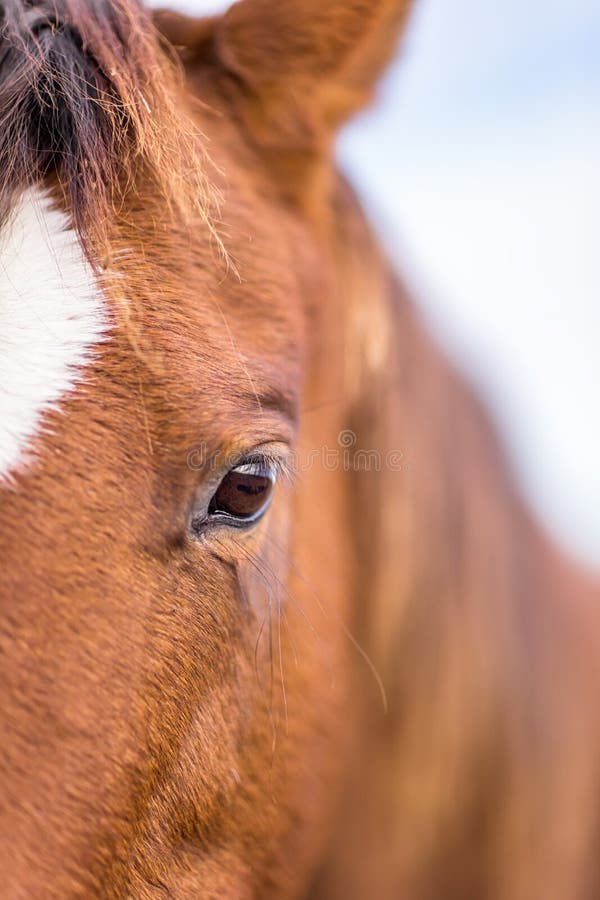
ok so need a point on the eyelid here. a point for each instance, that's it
(255, 467)
(277, 454)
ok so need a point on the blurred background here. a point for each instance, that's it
(480, 167)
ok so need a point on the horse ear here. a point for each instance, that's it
(189, 36)
(302, 67)
(322, 54)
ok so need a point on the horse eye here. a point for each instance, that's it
(244, 494)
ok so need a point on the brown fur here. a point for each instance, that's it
(193, 718)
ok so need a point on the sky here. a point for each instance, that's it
(480, 166)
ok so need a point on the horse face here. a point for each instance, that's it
(174, 608)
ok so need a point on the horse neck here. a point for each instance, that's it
(482, 634)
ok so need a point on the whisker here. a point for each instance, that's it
(354, 642)
(268, 615)
(283, 691)
(266, 696)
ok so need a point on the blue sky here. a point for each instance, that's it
(481, 168)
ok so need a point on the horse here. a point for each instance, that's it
(275, 621)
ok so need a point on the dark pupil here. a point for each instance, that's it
(242, 494)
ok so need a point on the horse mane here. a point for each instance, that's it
(87, 96)
(481, 767)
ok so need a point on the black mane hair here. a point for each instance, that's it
(87, 98)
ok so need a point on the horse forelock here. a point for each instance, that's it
(88, 97)
(93, 138)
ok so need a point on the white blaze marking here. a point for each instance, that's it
(51, 315)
